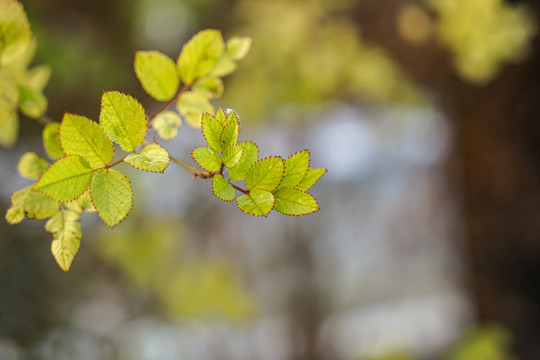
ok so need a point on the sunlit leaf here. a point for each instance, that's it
(151, 158)
(229, 136)
(265, 174)
(9, 95)
(51, 141)
(231, 155)
(207, 158)
(37, 77)
(192, 104)
(31, 166)
(223, 66)
(199, 55)
(210, 87)
(81, 204)
(257, 202)
(31, 204)
(157, 74)
(212, 129)
(249, 156)
(9, 130)
(312, 176)
(81, 136)
(296, 167)
(123, 119)
(66, 237)
(14, 31)
(166, 124)
(32, 103)
(66, 179)
(238, 47)
(222, 189)
(112, 195)
(294, 202)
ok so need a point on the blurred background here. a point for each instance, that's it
(427, 245)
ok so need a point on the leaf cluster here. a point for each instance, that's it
(270, 183)
(21, 87)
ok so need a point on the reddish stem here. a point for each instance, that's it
(168, 103)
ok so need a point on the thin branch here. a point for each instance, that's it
(191, 169)
(168, 103)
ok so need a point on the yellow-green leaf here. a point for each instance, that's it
(294, 202)
(238, 47)
(229, 136)
(66, 237)
(257, 202)
(9, 129)
(66, 179)
(81, 204)
(249, 156)
(210, 87)
(296, 167)
(223, 66)
(112, 195)
(9, 95)
(37, 77)
(199, 55)
(32, 103)
(212, 129)
(31, 204)
(222, 189)
(14, 31)
(157, 74)
(51, 141)
(312, 176)
(151, 158)
(31, 166)
(231, 155)
(192, 104)
(166, 124)
(123, 119)
(81, 136)
(265, 174)
(207, 158)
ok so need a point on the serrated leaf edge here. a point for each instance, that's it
(214, 193)
(155, 172)
(245, 212)
(268, 157)
(202, 146)
(309, 213)
(125, 216)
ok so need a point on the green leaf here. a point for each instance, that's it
(212, 129)
(66, 179)
(296, 167)
(66, 237)
(123, 119)
(112, 196)
(231, 155)
(166, 124)
(249, 156)
(9, 129)
(265, 174)
(30, 203)
(238, 47)
(223, 66)
(294, 202)
(32, 103)
(31, 166)
(220, 117)
(312, 176)
(151, 158)
(222, 189)
(210, 87)
(157, 74)
(9, 95)
(192, 104)
(81, 136)
(199, 55)
(51, 141)
(257, 202)
(207, 158)
(229, 136)
(14, 31)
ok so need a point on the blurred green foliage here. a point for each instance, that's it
(156, 258)
(483, 35)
